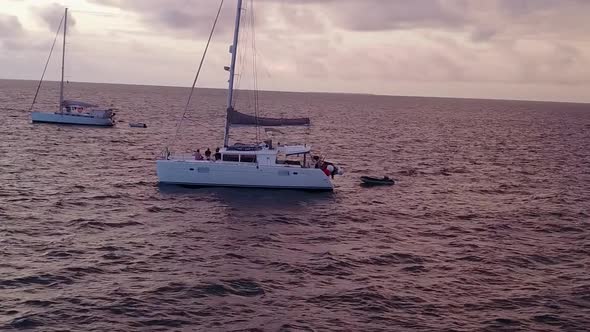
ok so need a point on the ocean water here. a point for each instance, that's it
(487, 228)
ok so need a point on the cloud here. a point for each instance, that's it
(12, 34)
(525, 7)
(366, 15)
(351, 44)
(379, 15)
(483, 34)
(483, 20)
(10, 26)
(20, 45)
(185, 19)
(476, 40)
(52, 14)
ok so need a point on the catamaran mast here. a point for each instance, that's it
(232, 68)
(63, 61)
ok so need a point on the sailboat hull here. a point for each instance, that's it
(71, 119)
(229, 174)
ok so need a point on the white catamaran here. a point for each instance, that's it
(259, 165)
(71, 111)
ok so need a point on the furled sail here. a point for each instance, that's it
(237, 118)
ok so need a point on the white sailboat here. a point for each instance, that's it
(259, 165)
(71, 111)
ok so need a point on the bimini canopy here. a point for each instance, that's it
(237, 118)
(291, 150)
(67, 103)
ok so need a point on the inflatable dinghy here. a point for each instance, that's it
(384, 181)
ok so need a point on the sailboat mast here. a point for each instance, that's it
(63, 61)
(232, 68)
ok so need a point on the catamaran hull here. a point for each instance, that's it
(225, 174)
(71, 119)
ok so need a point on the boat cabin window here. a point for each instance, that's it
(248, 158)
(231, 157)
(239, 158)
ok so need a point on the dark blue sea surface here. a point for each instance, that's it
(487, 227)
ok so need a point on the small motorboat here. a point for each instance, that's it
(373, 181)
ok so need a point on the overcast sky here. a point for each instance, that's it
(510, 49)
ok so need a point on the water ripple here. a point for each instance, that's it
(486, 228)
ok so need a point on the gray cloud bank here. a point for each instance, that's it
(10, 26)
(530, 40)
(51, 14)
(376, 44)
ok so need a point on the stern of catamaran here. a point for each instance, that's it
(310, 160)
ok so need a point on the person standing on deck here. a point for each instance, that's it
(208, 154)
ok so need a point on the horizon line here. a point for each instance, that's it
(315, 92)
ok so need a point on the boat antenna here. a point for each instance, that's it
(232, 68)
(47, 63)
(63, 62)
(190, 96)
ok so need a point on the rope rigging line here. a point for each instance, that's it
(243, 37)
(248, 37)
(245, 96)
(255, 72)
(47, 63)
(179, 126)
